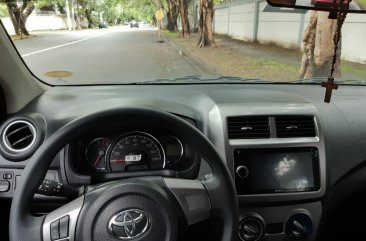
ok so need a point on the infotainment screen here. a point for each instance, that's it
(276, 170)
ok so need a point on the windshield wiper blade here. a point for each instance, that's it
(319, 80)
(353, 82)
(199, 79)
(240, 79)
(315, 80)
(190, 78)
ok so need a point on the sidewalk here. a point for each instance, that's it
(249, 60)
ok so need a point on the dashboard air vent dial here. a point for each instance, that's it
(248, 127)
(251, 228)
(299, 226)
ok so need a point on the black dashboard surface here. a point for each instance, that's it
(343, 120)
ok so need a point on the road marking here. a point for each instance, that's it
(63, 45)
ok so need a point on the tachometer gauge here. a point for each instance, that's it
(96, 153)
(136, 151)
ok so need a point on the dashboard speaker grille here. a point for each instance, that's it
(248, 127)
(295, 126)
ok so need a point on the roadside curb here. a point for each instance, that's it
(188, 55)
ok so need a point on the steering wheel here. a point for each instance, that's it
(142, 208)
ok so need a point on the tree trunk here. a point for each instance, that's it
(172, 15)
(77, 16)
(89, 18)
(26, 10)
(73, 16)
(183, 9)
(206, 19)
(318, 47)
(19, 15)
(195, 19)
(68, 15)
(14, 14)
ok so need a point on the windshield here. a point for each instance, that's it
(83, 42)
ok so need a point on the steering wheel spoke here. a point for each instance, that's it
(61, 223)
(192, 197)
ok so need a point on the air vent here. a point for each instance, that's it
(248, 127)
(19, 136)
(295, 126)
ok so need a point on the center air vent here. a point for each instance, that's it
(248, 127)
(19, 139)
(295, 126)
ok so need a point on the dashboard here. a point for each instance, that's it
(286, 149)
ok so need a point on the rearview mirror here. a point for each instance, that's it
(355, 6)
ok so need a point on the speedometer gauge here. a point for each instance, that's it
(136, 151)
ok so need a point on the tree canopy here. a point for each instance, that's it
(111, 9)
(3, 10)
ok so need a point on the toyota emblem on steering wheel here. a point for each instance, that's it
(129, 224)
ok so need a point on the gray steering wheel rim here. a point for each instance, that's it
(23, 226)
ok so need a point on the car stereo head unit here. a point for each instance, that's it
(276, 170)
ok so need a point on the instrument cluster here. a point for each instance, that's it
(130, 151)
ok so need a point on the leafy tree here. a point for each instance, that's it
(94, 11)
(140, 9)
(3, 10)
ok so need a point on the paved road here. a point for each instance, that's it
(114, 55)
